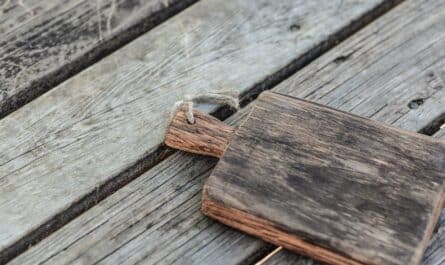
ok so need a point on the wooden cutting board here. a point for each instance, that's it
(328, 184)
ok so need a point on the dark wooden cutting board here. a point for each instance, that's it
(325, 183)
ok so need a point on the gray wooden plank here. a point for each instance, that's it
(148, 221)
(91, 234)
(287, 257)
(101, 128)
(44, 42)
(440, 133)
(435, 253)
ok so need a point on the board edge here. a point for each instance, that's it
(267, 231)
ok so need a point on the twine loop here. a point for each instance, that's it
(219, 99)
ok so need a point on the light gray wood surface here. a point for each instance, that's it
(153, 220)
(96, 131)
(44, 42)
(435, 253)
(107, 233)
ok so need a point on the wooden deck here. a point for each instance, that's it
(86, 90)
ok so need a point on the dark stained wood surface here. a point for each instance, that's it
(44, 42)
(338, 187)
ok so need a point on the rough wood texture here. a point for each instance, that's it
(45, 42)
(337, 187)
(153, 220)
(287, 257)
(406, 66)
(385, 60)
(207, 136)
(90, 135)
(165, 223)
(89, 235)
(434, 254)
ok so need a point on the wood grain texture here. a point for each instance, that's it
(210, 242)
(92, 130)
(337, 187)
(130, 226)
(207, 136)
(153, 220)
(287, 257)
(386, 60)
(45, 42)
(406, 66)
(434, 254)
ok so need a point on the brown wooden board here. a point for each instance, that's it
(340, 188)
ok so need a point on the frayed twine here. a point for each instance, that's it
(219, 99)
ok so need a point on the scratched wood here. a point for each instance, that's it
(87, 238)
(154, 218)
(331, 185)
(402, 60)
(394, 111)
(96, 131)
(434, 254)
(44, 42)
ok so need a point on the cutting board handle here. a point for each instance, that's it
(206, 136)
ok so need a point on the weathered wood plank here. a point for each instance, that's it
(415, 63)
(206, 136)
(287, 257)
(335, 186)
(101, 128)
(90, 235)
(156, 217)
(434, 254)
(148, 221)
(385, 61)
(45, 42)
